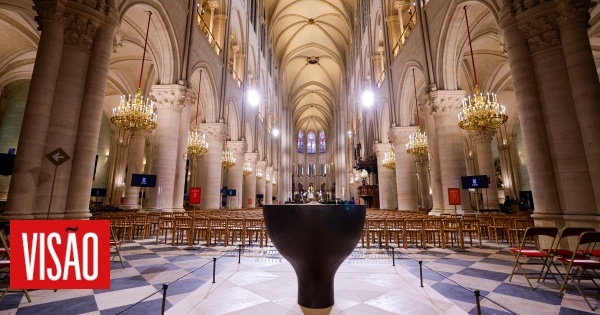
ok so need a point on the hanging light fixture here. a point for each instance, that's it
(417, 142)
(228, 159)
(197, 144)
(133, 113)
(259, 174)
(364, 175)
(268, 177)
(480, 112)
(389, 160)
(247, 169)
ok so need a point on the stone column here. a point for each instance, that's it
(406, 179)
(213, 5)
(37, 111)
(249, 192)
(400, 5)
(394, 32)
(535, 139)
(388, 199)
(444, 105)
(86, 144)
(240, 59)
(219, 28)
(260, 184)
(184, 128)
(434, 160)
(211, 165)
(235, 176)
(483, 146)
(169, 103)
(135, 165)
(53, 182)
(583, 79)
(424, 186)
(575, 191)
(269, 187)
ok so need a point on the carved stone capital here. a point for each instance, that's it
(262, 165)
(442, 102)
(251, 157)
(399, 135)
(482, 136)
(269, 170)
(381, 148)
(79, 30)
(169, 96)
(572, 10)
(214, 131)
(400, 4)
(48, 11)
(213, 5)
(117, 40)
(541, 32)
(237, 147)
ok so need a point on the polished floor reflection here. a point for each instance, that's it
(264, 283)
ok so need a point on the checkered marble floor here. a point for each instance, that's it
(264, 283)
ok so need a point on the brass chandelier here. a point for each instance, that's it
(259, 174)
(133, 113)
(247, 169)
(389, 160)
(228, 159)
(417, 142)
(197, 144)
(480, 112)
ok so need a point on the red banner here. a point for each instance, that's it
(195, 194)
(454, 196)
(60, 254)
(249, 201)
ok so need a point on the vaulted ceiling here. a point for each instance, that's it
(311, 40)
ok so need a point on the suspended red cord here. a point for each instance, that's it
(198, 101)
(470, 46)
(145, 44)
(416, 101)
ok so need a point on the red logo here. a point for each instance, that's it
(59, 254)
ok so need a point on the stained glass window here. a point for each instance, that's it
(311, 144)
(300, 141)
(322, 141)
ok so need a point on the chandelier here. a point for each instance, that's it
(389, 160)
(197, 144)
(268, 177)
(259, 174)
(480, 112)
(247, 169)
(228, 159)
(135, 114)
(417, 142)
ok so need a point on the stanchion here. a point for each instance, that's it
(214, 268)
(239, 253)
(164, 301)
(477, 294)
(421, 271)
(393, 257)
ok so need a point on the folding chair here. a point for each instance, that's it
(561, 247)
(5, 265)
(116, 244)
(534, 254)
(581, 267)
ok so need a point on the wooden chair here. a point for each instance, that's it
(236, 230)
(166, 224)
(121, 225)
(470, 226)
(499, 228)
(452, 230)
(5, 266)
(413, 231)
(218, 229)
(182, 226)
(254, 230)
(139, 225)
(374, 228)
(484, 222)
(153, 218)
(201, 227)
(519, 225)
(433, 230)
(394, 229)
(115, 244)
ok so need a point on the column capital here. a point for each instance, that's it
(482, 136)
(570, 10)
(381, 148)
(49, 11)
(213, 5)
(442, 102)
(251, 157)
(214, 131)
(80, 30)
(399, 4)
(169, 96)
(237, 147)
(541, 32)
(399, 135)
(261, 165)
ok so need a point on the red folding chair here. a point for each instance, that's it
(533, 255)
(583, 268)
